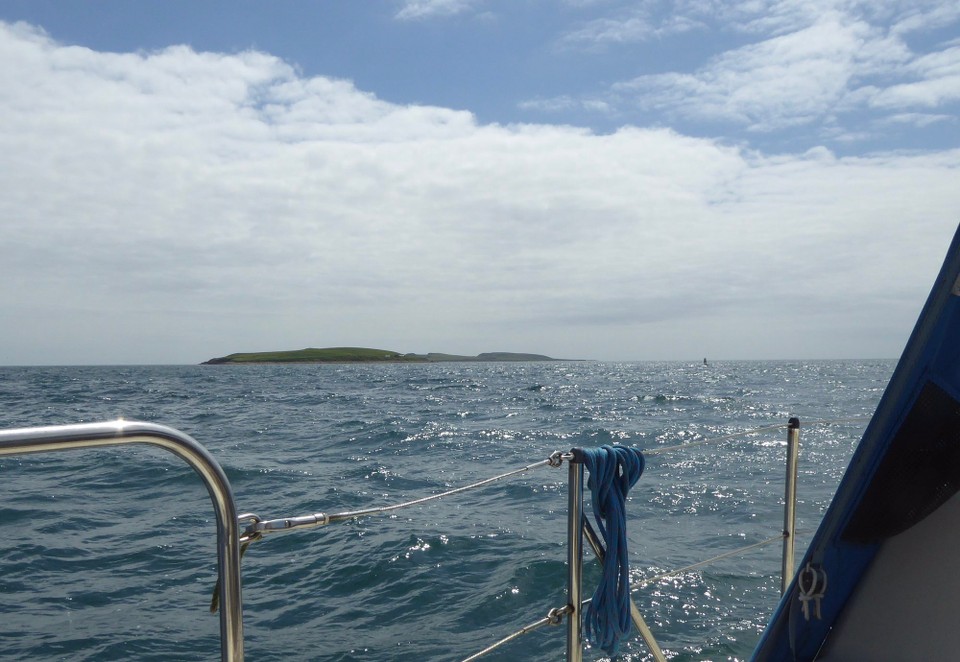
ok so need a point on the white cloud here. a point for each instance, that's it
(565, 103)
(937, 83)
(925, 15)
(783, 81)
(920, 119)
(172, 206)
(811, 62)
(655, 19)
(637, 25)
(420, 9)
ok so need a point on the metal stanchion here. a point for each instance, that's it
(117, 433)
(635, 614)
(574, 561)
(790, 504)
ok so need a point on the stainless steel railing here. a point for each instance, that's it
(117, 433)
(230, 538)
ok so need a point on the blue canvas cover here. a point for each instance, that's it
(906, 465)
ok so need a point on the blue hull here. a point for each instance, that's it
(879, 580)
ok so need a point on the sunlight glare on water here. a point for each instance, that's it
(110, 554)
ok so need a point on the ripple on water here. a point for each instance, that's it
(110, 555)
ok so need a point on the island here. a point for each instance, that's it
(366, 355)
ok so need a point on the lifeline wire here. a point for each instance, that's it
(745, 433)
(376, 511)
(552, 618)
(259, 527)
(712, 440)
(700, 564)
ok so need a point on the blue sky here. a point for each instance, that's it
(581, 178)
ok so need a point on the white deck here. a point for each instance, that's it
(906, 608)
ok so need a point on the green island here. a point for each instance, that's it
(365, 355)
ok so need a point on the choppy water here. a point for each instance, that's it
(110, 554)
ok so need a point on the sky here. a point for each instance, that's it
(590, 179)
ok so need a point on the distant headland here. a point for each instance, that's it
(366, 355)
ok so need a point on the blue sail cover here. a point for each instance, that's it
(906, 465)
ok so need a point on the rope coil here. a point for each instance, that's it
(613, 471)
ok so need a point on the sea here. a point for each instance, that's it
(110, 554)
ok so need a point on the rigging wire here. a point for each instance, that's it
(258, 527)
(706, 562)
(750, 432)
(554, 617)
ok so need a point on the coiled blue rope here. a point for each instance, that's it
(613, 471)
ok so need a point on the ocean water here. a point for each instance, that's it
(110, 554)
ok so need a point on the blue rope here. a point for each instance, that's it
(613, 471)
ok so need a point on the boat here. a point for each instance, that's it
(878, 581)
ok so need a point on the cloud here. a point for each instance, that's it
(658, 19)
(822, 63)
(564, 103)
(923, 16)
(920, 119)
(784, 81)
(637, 24)
(655, 19)
(175, 205)
(937, 83)
(421, 9)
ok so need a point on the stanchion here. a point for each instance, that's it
(574, 562)
(790, 504)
